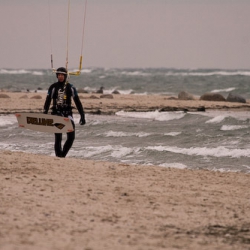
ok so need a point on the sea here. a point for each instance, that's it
(211, 140)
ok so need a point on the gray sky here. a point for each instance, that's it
(126, 33)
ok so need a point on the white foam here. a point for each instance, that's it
(106, 151)
(232, 127)
(125, 134)
(135, 73)
(222, 90)
(219, 115)
(173, 165)
(14, 72)
(224, 170)
(212, 73)
(173, 133)
(83, 71)
(204, 151)
(6, 120)
(217, 119)
(156, 115)
(5, 123)
(121, 152)
(37, 73)
(86, 71)
(92, 151)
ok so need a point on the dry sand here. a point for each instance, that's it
(53, 203)
(29, 102)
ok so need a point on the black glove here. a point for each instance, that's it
(82, 120)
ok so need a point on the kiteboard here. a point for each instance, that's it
(44, 122)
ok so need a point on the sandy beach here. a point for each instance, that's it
(102, 104)
(53, 203)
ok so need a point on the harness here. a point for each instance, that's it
(62, 101)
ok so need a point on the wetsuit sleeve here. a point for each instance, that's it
(47, 101)
(79, 107)
(78, 102)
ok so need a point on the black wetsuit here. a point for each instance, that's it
(61, 94)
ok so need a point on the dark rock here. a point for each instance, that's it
(108, 96)
(36, 97)
(185, 96)
(116, 92)
(82, 91)
(24, 97)
(235, 98)
(100, 91)
(93, 97)
(213, 97)
(4, 96)
(202, 109)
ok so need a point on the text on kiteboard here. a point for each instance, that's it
(40, 121)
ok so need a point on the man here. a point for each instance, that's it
(61, 94)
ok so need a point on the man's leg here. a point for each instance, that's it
(58, 145)
(69, 142)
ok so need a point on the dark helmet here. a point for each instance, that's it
(61, 70)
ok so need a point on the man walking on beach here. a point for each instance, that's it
(61, 92)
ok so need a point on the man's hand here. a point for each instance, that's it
(82, 120)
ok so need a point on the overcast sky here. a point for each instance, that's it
(126, 33)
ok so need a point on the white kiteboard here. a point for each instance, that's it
(44, 122)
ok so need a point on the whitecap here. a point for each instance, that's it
(173, 165)
(135, 73)
(113, 151)
(14, 72)
(86, 71)
(92, 151)
(7, 120)
(217, 119)
(212, 73)
(173, 133)
(204, 151)
(5, 123)
(125, 134)
(122, 92)
(121, 152)
(37, 73)
(232, 127)
(156, 115)
(222, 90)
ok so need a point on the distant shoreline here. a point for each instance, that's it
(12, 102)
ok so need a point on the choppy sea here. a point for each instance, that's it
(213, 140)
